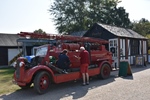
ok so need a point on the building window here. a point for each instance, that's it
(134, 47)
(111, 43)
(115, 42)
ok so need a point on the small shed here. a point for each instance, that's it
(123, 43)
(8, 48)
(12, 46)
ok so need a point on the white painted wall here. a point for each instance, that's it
(131, 59)
(12, 53)
(145, 50)
(128, 47)
(124, 47)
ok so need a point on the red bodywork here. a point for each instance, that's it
(98, 54)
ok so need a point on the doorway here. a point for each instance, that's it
(113, 47)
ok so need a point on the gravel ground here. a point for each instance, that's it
(135, 87)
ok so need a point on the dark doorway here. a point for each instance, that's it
(3, 56)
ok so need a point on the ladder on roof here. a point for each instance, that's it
(62, 37)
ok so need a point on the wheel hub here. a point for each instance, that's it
(44, 82)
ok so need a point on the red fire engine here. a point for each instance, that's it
(42, 71)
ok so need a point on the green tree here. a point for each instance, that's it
(79, 15)
(142, 27)
(108, 13)
(69, 15)
(39, 31)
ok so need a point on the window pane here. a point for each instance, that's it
(134, 47)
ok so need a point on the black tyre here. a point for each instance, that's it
(104, 71)
(42, 82)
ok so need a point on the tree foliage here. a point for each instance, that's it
(79, 15)
(142, 27)
(39, 31)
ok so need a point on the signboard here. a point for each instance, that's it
(139, 61)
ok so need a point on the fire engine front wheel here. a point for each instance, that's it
(42, 82)
(104, 71)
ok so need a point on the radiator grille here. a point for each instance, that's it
(17, 70)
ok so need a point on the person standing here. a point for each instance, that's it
(84, 63)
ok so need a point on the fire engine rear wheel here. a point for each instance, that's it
(105, 71)
(42, 82)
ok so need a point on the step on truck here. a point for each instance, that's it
(41, 69)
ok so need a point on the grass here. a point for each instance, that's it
(6, 85)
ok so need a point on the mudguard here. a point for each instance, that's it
(31, 72)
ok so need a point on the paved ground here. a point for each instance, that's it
(135, 87)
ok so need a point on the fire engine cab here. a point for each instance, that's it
(41, 69)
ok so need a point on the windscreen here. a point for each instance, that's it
(41, 51)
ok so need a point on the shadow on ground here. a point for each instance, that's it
(72, 90)
(134, 69)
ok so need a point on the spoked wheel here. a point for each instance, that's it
(42, 82)
(104, 71)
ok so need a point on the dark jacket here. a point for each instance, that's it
(63, 61)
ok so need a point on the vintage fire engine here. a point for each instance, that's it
(42, 71)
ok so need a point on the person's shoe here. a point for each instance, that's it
(83, 84)
(65, 72)
(87, 83)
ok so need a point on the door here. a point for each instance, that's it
(113, 47)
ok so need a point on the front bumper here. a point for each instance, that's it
(18, 83)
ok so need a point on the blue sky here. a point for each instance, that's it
(29, 15)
